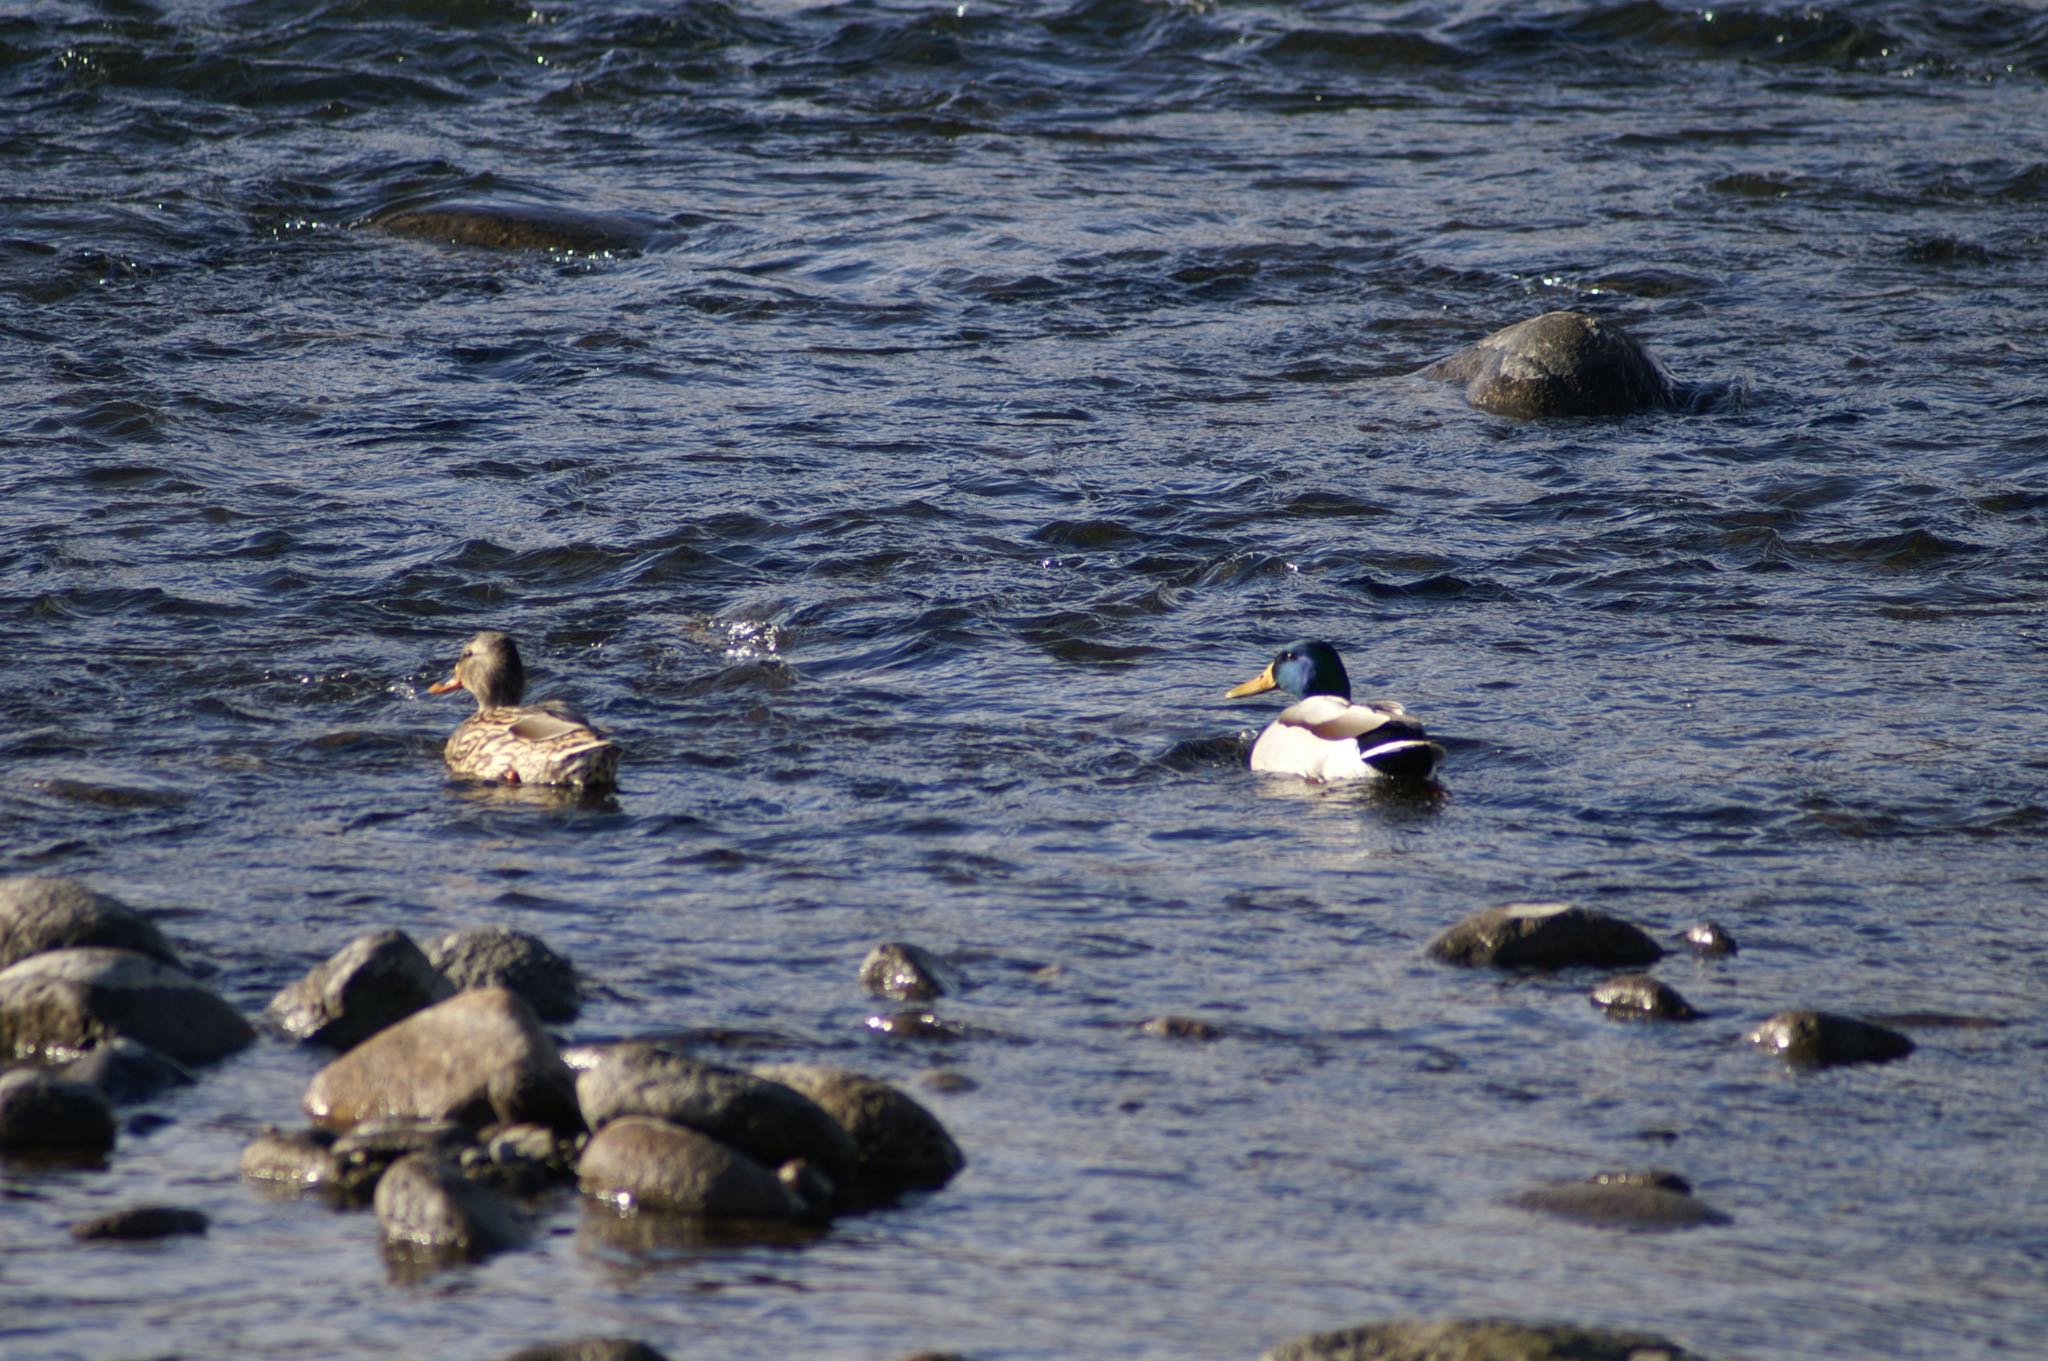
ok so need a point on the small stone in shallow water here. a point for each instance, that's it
(900, 1146)
(1637, 996)
(589, 1349)
(43, 1113)
(1708, 940)
(1181, 1028)
(1558, 364)
(139, 1223)
(496, 957)
(426, 1206)
(1544, 936)
(127, 1070)
(905, 972)
(1652, 1200)
(637, 1162)
(1477, 1340)
(914, 1025)
(1819, 1039)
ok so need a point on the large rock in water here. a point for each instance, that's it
(57, 1005)
(1477, 1340)
(497, 957)
(376, 980)
(43, 1113)
(899, 1146)
(1544, 936)
(1558, 364)
(424, 1205)
(638, 1162)
(1821, 1039)
(767, 1120)
(38, 914)
(477, 1057)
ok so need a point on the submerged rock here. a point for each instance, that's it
(127, 1070)
(770, 1121)
(1637, 996)
(61, 1003)
(1544, 936)
(899, 1146)
(140, 1223)
(639, 1162)
(521, 226)
(1708, 940)
(1819, 1039)
(589, 1349)
(40, 913)
(904, 972)
(1477, 1340)
(1558, 364)
(302, 1160)
(376, 980)
(425, 1206)
(476, 1058)
(1182, 1028)
(1622, 1200)
(497, 957)
(43, 1113)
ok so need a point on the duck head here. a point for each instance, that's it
(1304, 668)
(488, 668)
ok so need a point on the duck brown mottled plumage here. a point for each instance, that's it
(505, 740)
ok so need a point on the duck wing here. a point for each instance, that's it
(1334, 720)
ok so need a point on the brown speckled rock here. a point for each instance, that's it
(1558, 364)
(638, 1162)
(478, 1057)
(1544, 936)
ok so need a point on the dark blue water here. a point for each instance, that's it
(988, 388)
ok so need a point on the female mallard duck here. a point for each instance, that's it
(544, 743)
(1327, 737)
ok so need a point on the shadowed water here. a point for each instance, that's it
(993, 387)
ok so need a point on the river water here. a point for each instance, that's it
(995, 386)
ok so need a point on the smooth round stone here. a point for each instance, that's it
(39, 913)
(900, 1146)
(1708, 940)
(1181, 1028)
(59, 1004)
(639, 1162)
(43, 1113)
(141, 1223)
(424, 1204)
(1820, 1039)
(376, 980)
(1622, 1200)
(1477, 1340)
(1558, 364)
(126, 1070)
(1638, 996)
(903, 972)
(497, 957)
(1544, 936)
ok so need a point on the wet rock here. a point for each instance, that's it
(126, 1070)
(637, 1161)
(365, 1153)
(424, 1205)
(478, 1057)
(589, 1349)
(516, 226)
(43, 1113)
(1637, 996)
(1558, 364)
(39, 914)
(1181, 1028)
(899, 1146)
(915, 1025)
(767, 1120)
(523, 1159)
(494, 957)
(1544, 936)
(299, 1159)
(140, 1223)
(904, 972)
(1819, 1039)
(1708, 940)
(377, 979)
(61, 1003)
(1622, 1200)
(1477, 1340)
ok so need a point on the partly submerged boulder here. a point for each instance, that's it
(522, 226)
(43, 1113)
(1820, 1039)
(1558, 364)
(1477, 1340)
(376, 980)
(1644, 1201)
(498, 957)
(40, 913)
(59, 1004)
(1544, 936)
(899, 1146)
(639, 1162)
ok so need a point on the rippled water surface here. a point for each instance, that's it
(988, 388)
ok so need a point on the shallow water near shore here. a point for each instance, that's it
(995, 386)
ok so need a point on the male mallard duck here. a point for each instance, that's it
(1327, 737)
(544, 743)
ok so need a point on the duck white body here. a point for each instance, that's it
(1327, 736)
(546, 743)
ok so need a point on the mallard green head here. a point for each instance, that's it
(488, 668)
(1304, 668)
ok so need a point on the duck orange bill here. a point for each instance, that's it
(443, 687)
(1257, 685)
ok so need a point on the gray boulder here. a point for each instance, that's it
(899, 1146)
(1637, 996)
(1622, 1200)
(61, 1003)
(638, 1162)
(1544, 936)
(905, 972)
(43, 1113)
(375, 980)
(38, 914)
(1708, 940)
(767, 1120)
(297, 1160)
(495, 957)
(1558, 364)
(140, 1223)
(427, 1207)
(126, 1070)
(478, 1057)
(1820, 1039)
(1477, 1340)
